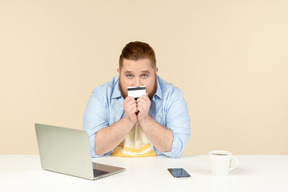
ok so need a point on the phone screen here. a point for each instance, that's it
(178, 172)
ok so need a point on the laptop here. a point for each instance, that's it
(67, 151)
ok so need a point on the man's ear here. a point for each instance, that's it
(156, 69)
(118, 70)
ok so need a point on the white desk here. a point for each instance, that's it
(254, 173)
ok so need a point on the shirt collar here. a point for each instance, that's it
(159, 89)
(116, 91)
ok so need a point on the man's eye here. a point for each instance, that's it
(129, 76)
(144, 76)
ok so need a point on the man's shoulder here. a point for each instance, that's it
(168, 89)
(106, 88)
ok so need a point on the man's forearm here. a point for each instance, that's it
(108, 138)
(160, 136)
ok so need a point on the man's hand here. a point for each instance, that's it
(130, 107)
(143, 106)
(160, 136)
(108, 138)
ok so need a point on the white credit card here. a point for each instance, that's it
(136, 92)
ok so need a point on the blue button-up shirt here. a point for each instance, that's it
(168, 108)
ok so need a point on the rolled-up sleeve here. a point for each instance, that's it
(95, 117)
(177, 119)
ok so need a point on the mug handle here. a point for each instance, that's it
(236, 163)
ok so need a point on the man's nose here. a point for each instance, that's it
(137, 82)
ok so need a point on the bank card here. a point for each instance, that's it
(136, 92)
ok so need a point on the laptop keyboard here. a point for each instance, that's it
(98, 172)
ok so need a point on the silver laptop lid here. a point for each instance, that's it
(67, 151)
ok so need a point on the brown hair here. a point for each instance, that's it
(137, 50)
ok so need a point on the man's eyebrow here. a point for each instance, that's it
(145, 71)
(126, 72)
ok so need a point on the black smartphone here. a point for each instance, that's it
(179, 173)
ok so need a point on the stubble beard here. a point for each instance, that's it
(150, 95)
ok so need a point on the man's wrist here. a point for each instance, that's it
(146, 120)
(127, 122)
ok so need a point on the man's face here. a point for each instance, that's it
(137, 73)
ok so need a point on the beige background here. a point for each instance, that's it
(228, 56)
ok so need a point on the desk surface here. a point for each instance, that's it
(254, 173)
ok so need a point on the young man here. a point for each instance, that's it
(157, 123)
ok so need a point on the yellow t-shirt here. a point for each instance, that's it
(135, 144)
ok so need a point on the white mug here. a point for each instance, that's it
(221, 161)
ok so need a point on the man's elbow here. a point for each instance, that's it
(99, 152)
